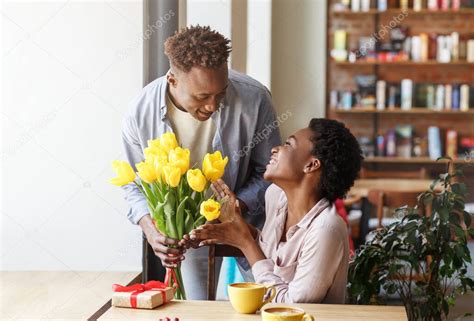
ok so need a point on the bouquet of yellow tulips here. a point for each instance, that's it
(175, 193)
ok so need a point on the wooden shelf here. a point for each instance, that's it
(414, 110)
(413, 160)
(465, 11)
(403, 63)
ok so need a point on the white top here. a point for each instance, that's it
(191, 133)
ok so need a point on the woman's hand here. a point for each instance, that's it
(187, 242)
(234, 231)
(228, 200)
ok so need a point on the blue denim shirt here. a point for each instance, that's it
(246, 130)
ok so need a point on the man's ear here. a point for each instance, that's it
(312, 166)
(171, 78)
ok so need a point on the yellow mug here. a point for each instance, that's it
(285, 313)
(248, 297)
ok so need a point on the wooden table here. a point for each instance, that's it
(56, 295)
(222, 310)
(362, 186)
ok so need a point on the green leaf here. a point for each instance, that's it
(444, 214)
(148, 193)
(459, 188)
(471, 232)
(192, 205)
(159, 217)
(445, 307)
(459, 232)
(200, 221)
(188, 222)
(434, 183)
(444, 158)
(427, 198)
(170, 214)
(467, 218)
(180, 218)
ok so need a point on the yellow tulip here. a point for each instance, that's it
(210, 209)
(125, 173)
(172, 175)
(146, 171)
(155, 153)
(179, 157)
(158, 165)
(213, 166)
(196, 180)
(154, 143)
(168, 141)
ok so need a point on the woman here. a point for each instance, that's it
(303, 247)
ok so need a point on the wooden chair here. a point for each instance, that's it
(218, 250)
(392, 199)
(419, 174)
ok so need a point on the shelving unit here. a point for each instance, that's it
(392, 11)
(370, 122)
(404, 63)
(416, 160)
(398, 110)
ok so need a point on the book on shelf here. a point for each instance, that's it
(382, 5)
(339, 51)
(439, 97)
(452, 143)
(470, 50)
(404, 135)
(391, 144)
(383, 95)
(416, 5)
(434, 142)
(448, 97)
(380, 94)
(401, 47)
(464, 98)
(456, 97)
(421, 95)
(406, 92)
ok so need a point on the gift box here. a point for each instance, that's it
(142, 296)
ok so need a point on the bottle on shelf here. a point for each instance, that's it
(407, 93)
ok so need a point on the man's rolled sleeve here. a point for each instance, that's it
(133, 152)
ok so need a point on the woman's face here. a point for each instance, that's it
(288, 162)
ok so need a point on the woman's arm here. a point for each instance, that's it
(316, 270)
(236, 233)
(233, 230)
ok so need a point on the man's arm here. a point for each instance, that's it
(139, 212)
(266, 136)
(134, 155)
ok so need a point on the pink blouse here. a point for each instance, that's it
(311, 266)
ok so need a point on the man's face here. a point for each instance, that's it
(199, 91)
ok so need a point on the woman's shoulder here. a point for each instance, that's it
(329, 221)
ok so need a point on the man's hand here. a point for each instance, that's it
(170, 257)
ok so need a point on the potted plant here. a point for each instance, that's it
(422, 259)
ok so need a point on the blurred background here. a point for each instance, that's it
(69, 70)
(399, 73)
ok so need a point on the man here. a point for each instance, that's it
(209, 108)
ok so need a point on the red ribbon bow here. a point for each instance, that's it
(138, 288)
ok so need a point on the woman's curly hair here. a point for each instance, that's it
(197, 46)
(340, 156)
